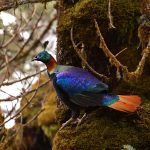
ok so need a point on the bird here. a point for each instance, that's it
(79, 90)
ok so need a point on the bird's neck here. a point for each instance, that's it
(51, 65)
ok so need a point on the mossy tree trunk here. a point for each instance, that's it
(105, 129)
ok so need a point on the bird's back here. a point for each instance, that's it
(75, 80)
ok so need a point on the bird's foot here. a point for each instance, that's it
(78, 121)
(66, 123)
(81, 119)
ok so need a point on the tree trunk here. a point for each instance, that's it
(105, 129)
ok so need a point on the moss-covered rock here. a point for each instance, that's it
(107, 129)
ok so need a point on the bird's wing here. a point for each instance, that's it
(83, 88)
(86, 99)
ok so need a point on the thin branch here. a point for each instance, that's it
(19, 96)
(34, 117)
(113, 60)
(127, 76)
(7, 4)
(120, 52)
(110, 17)
(37, 41)
(22, 48)
(25, 78)
(23, 107)
(11, 39)
(140, 68)
(84, 61)
(18, 30)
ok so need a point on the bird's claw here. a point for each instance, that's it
(81, 119)
(66, 123)
(77, 121)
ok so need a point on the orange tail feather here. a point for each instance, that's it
(127, 103)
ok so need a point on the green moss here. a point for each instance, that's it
(106, 129)
(50, 130)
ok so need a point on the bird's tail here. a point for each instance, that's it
(126, 103)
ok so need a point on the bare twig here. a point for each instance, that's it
(28, 92)
(18, 30)
(120, 52)
(25, 78)
(22, 48)
(113, 60)
(140, 68)
(34, 117)
(5, 5)
(23, 107)
(127, 76)
(110, 17)
(85, 62)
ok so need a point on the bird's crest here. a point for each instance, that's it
(43, 56)
(45, 45)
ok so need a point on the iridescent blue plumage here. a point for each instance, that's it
(84, 90)
(76, 80)
(81, 86)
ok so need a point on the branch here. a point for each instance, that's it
(140, 68)
(20, 96)
(120, 52)
(112, 59)
(22, 48)
(84, 61)
(34, 117)
(25, 78)
(110, 17)
(37, 41)
(18, 30)
(25, 105)
(7, 4)
(127, 76)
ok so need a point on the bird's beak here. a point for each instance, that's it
(34, 59)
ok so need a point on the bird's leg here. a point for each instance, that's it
(75, 114)
(66, 123)
(80, 120)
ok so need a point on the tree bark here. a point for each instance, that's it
(145, 7)
(105, 129)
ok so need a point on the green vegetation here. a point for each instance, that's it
(107, 129)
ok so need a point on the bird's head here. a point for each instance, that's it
(43, 56)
